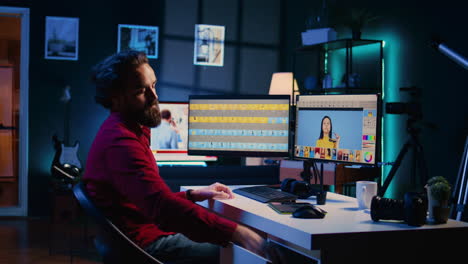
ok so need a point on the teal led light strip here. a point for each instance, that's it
(391, 141)
(326, 62)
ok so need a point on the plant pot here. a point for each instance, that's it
(440, 214)
(438, 210)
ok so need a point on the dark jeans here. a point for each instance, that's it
(179, 249)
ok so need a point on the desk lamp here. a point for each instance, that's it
(283, 83)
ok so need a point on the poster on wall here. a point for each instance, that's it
(209, 45)
(61, 38)
(141, 38)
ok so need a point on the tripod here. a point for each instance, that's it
(461, 187)
(418, 161)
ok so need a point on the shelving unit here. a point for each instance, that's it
(336, 57)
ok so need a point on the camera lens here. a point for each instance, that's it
(413, 109)
(387, 209)
(395, 108)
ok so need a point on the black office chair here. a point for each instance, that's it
(113, 245)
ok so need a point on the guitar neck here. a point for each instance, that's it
(66, 124)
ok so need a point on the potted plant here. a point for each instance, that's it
(438, 195)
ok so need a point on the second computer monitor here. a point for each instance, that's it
(248, 125)
(338, 128)
(169, 139)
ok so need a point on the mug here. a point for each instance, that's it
(365, 190)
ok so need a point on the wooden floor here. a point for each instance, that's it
(26, 240)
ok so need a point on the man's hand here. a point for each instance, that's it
(253, 242)
(249, 240)
(216, 191)
(174, 125)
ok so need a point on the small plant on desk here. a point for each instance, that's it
(438, 195)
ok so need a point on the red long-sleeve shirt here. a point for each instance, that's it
(123, 179)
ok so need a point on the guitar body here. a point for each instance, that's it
(66, 166)
(69, 155)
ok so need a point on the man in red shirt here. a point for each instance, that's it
(123, 179)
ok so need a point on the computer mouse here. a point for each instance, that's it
(308, 211)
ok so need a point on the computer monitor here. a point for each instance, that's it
(247, 125)
(169, 140)
(338, 128)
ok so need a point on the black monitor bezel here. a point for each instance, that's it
(242, 153)
(378, 148)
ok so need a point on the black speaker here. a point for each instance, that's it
(300, 188)
(304, 190)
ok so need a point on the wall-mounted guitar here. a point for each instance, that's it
(66, 166)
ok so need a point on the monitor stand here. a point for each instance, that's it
(306, 175)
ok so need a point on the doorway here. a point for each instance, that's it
(14, 60)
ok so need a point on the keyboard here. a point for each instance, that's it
(265, 194)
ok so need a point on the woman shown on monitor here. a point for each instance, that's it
(325, 140)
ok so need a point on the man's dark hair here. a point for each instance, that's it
(166, 114)
(109, 74)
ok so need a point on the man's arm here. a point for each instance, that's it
(249, 240)
(135, 176)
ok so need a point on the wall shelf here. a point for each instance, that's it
(352, 71)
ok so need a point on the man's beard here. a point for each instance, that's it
(150, 116)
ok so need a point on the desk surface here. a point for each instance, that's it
(343, 220)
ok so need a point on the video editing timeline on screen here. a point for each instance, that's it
(246, 125)
(351, 134)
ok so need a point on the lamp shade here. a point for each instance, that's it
(282, 83)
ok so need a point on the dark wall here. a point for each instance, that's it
(260, 38)
(249, 61)
(47, 116)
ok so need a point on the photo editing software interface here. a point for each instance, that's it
(341, 128)
(169, 139)
(255, 125)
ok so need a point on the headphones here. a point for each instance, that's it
(300, 188)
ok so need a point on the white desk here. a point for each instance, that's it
(345, 232)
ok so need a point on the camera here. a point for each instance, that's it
(412, 209)
(412, 108)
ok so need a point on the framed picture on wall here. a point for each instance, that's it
(61, 38)
(141, 38)
(209, 45)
